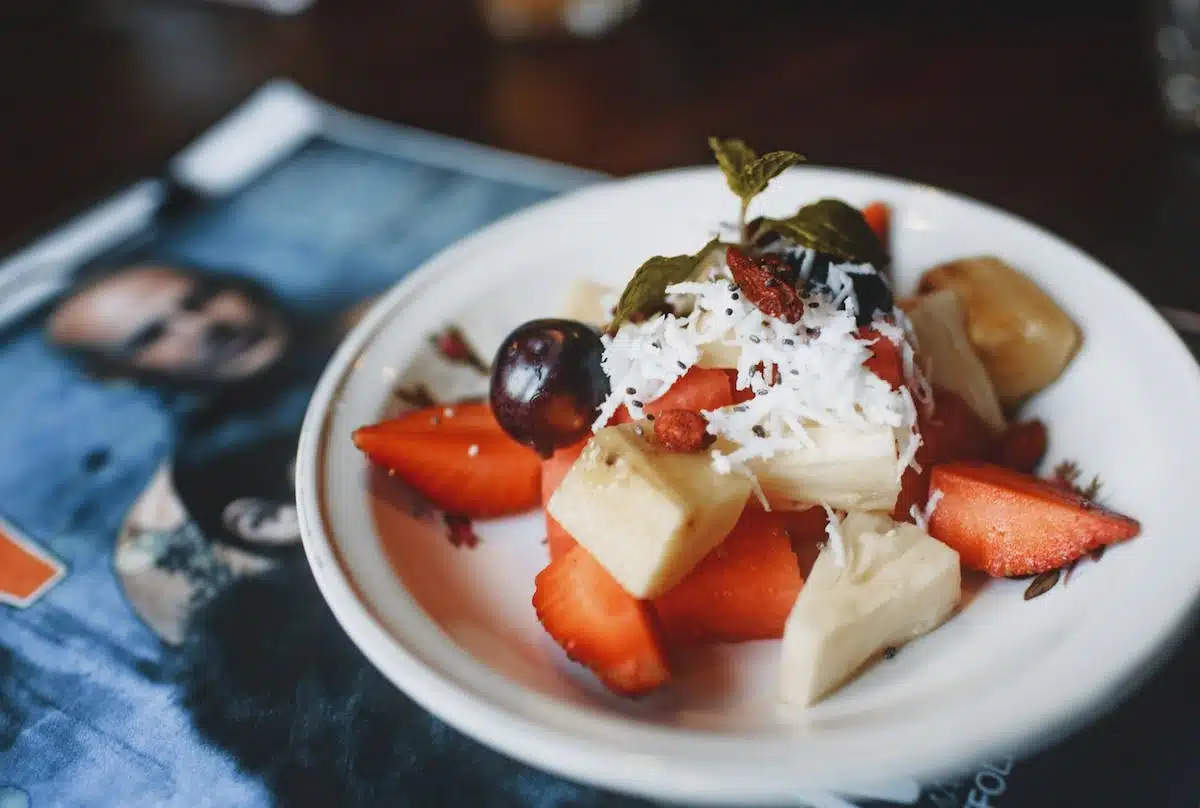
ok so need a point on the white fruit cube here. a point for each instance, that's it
(896, 583)
(939, 322)
(845, 469)
(648, 515)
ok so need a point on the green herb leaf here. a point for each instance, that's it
(647, 289)
(1068, 473)
(832, 227)
(1092, 490)
(734, 157)
(747, 174)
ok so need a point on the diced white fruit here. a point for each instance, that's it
(585, 302)
(940, 325)
(717, 354)
(648, 515)
(897, 584)
(846, 469)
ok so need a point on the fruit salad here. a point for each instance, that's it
(759, 441)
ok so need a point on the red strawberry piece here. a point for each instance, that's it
(455, 417)
(599, 624)
(698, 389)
(740, 396)
(914, 490)
(558, 541)
(1021, 447)
(742, 590)
(885, 361)
(879, 218)
(1009, 524)
(554, 469)
(954, 432)
(468, 467)
(806, 529)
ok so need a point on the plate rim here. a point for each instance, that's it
(587, 759)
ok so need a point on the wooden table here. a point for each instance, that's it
(1049, 109)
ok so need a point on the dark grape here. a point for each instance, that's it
(547, 383)
(872, 291)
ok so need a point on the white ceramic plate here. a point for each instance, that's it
(454, 627)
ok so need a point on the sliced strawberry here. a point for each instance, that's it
(555, 467)
(914, 490)
(1021, 447)
(698, 389)
(743, 590)
(472, 470)
(739, 396)
(885, 361)
(1008, 523)
(558, 540)
(879, 217)
(954, 432)
(806, 529)
(599, 624)
(458, 417)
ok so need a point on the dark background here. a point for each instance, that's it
(1047, 108)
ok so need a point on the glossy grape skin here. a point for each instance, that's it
(547, 383)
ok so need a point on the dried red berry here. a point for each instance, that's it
(682, 431)
(765, 282)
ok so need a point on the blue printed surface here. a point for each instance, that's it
(89, 711)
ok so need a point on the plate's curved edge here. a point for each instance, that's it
(336, 582)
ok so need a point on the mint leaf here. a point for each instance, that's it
(747, 174)
(832, 227)
(647, 289)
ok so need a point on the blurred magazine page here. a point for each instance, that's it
(159, 352)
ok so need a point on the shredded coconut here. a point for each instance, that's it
(921, 517)
(803, 374)
(935, 497)
(833, 529)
